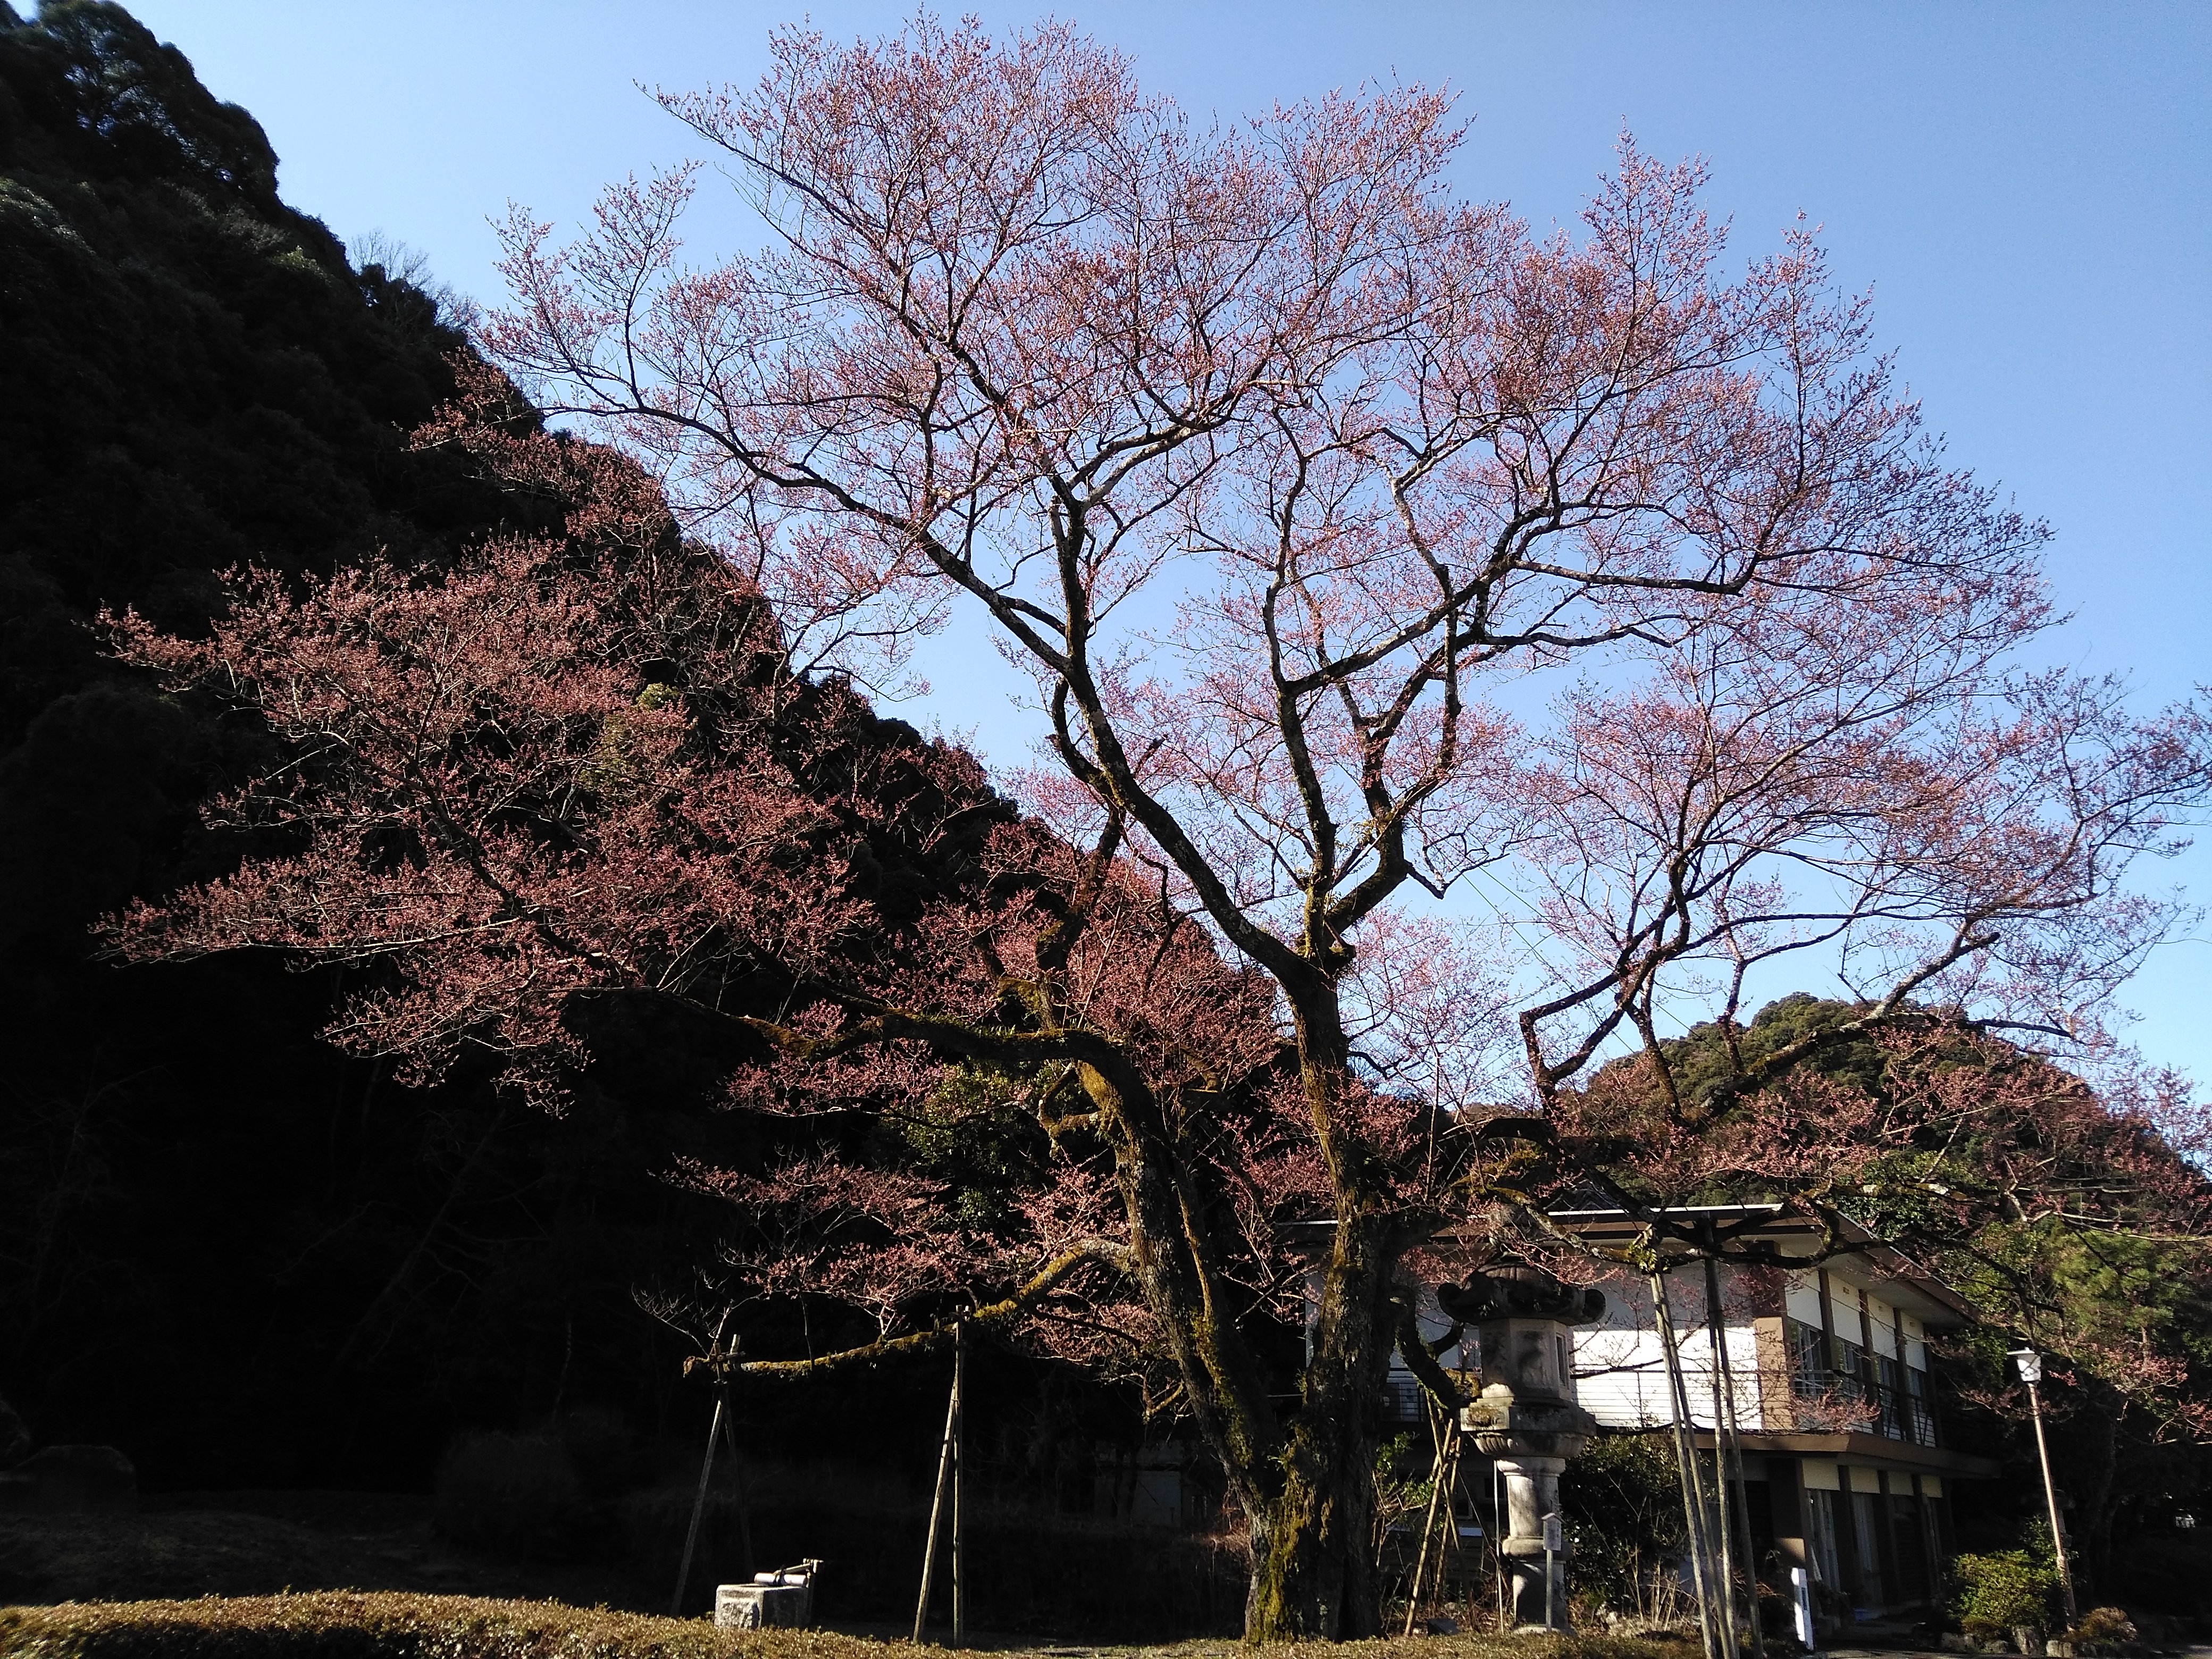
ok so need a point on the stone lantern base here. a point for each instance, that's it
(1533, 1482)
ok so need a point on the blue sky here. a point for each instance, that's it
(2027, 188)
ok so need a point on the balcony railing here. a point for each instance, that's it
(1871, 1393)
(1404, 1401)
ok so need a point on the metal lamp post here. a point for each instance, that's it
(2030, 1365)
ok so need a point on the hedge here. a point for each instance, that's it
(389, 1624)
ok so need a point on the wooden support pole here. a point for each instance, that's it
(1727, 1454)
(945, 1465)
(1453, 1550)
(1428, 1526)
(698, 1509)
(1719, 1638)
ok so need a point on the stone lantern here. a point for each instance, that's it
(1525, 1417)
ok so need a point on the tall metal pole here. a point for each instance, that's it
(2031, 1372)
(1722, 1509)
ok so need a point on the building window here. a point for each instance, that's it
(1403, 1398)
(1826, 1567)
(1850, 1365)
(1809, 1370)
(1889, 1419)
(1919, 1408)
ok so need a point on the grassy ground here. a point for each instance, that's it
(390, 1625)
(360, 1575)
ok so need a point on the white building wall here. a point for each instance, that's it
(1881, 1320)
(1844, 1297)
(1801, 1300)
(1620, 1369)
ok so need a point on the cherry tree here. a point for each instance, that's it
(583, 764)
(1365, 548)
(1364, 544)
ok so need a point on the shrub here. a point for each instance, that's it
(1021, 1570)
(2170, 1573)
(346, 1624)
(604, 1452)
(2104, 1627)
(1623, 1498)
(517, 1493)
(2002, 1592)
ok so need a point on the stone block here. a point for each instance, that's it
(764, 1606)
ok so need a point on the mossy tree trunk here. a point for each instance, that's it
(1314, 1570)
(1304, 1477)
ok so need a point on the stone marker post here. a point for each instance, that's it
(1526, 1418)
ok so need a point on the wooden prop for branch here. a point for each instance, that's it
(948, 1477)
(1714, 1622)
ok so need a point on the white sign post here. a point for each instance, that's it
(1554, 1543)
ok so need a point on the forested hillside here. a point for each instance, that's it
(225, 1246)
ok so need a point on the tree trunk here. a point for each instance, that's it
(1314, 1572)
(2095, 1503)
(1306, 1485)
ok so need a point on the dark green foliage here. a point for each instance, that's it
(1703, 1067)
(1623, 1501)
(974, 1136)
(196, 378)
(1998, 1594)
(134, 103)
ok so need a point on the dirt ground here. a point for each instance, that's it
(248, 1544)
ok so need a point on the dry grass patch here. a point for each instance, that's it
(388, 1624)
(353, 1625)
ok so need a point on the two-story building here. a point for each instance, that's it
(1848, 1473)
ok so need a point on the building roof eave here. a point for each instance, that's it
(1937, 1303)
(1864, 1451)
